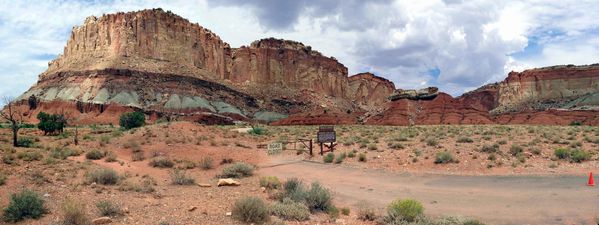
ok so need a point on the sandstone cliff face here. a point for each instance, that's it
(550, 87)
(287, 65)
(369, 90)
(149, 40)
(483, 98)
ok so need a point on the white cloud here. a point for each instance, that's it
(470, 42)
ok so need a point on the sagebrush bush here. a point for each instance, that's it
(251, 210)
(2, 179)
(105, 176)
(206, 163)
(161, 162)
(515, 150)
(63, 153)
(340, 158)
(73, 213)
(238, 170)
(107, 208)
(366, 212)
(138, 156)
(318, 198)
(293, 189)
(562, 153)
(270, 182)
(30, 156)
(25, 142)
(432, 142)
(362, 157)
(345, 211)
(579, 156)
(94, 154)
(180, 177)
(464, 140)
(407, 210)
(290, 210)
(23, 205)
(329, 157)
(443, 157)
(489, 148)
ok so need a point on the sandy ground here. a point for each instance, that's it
(521, 199)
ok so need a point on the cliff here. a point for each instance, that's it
(369, 90)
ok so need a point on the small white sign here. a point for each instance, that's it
(275, 148)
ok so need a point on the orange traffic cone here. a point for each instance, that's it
(591, 180)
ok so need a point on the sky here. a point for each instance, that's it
(453, 44)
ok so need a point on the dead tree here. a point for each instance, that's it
(13, 116)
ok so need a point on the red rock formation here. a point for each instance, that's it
(443, 109)
(319, 118)
(370, 91)
(288, 66)
(483, 98)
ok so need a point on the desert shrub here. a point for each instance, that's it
(515, 150)
(318, 198)
(443, 157)
(25, 142)
(8, 158)
(293, 189)
(489, 148)
(395, 145)
(362, 157)
(270, 182)
(206, 163)
(372, 147)
(180, 177)
(432, 142)
(132, 120)
(257, 131)
(575, 123)
(562, 153)
(238, 170)
(464, 140)
(63, 153)
(251, 210)
(110, 157)
(579, 156)
(472, 222)
(340, 158)
(345, 211)
(107, 208)
(30, 156)
(161, 162)
(366, 212)
(95, 154)
(51, 123)
(2, 179)
(290, 210)
(226, 161)
(329, 157)
(138, 156)
(351, 154)
(23, 205)
(502, 142)
(333, 212)
(407, 210)
(73, 213)
(535, 151)
(103, 176)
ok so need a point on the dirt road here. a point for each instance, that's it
(492, 199)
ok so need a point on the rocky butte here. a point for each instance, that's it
(162, 64)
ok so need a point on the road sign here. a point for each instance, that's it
(275, 148)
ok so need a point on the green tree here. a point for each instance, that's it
(132, 120)
(51, 123)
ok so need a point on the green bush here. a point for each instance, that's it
(366, 212)
(251, 210)
(432, 142)
(293, 189)
(407, 210)
(23, 205)
(333, 212)
(107, 208)
(257, 131)
(51, 123)
(138, 156)
(180, 177)
(472, 222)
(489, 148)
(95, 154)
(443, 157)
(318, 198)
(329, 157)
(270, 182)
(29, 156)
(345, 211)
(63, 153)
(74, 213)
(515, 150)
(25, 142)
(579, 156)
(238, 170)
(351, 154)
(562, 153)
(290, 210)
(103, 176)
(575, 123)
(132, 120)
(161, 162)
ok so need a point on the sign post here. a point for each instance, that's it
(326, 134)
(275, 148)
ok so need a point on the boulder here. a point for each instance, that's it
(101, 220)
(228, 182)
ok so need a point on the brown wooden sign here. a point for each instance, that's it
(326, 134)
